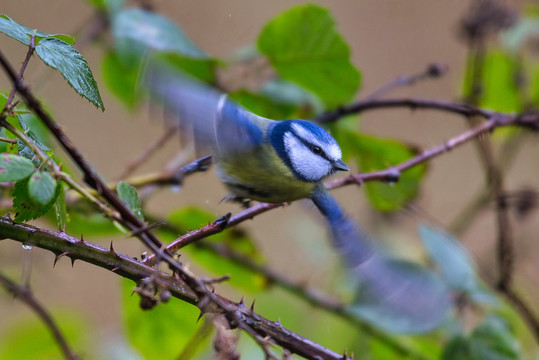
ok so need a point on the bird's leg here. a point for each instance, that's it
(244, 202)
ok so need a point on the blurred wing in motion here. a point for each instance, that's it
(219, 126)
(395, 295)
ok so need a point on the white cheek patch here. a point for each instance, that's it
(334, 152)
(312, 167)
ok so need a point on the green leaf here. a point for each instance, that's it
(286, 92)
(23, 34)
(14, 167)
(454, 262)
(121, 79)
(458, 348)
(34, 128)
(394, 317)
(89, 223)
(159, 333)
(375, 154)
(305, 48)
(26, 207)
(201, 68)
(492, 340)
(128, 194)
(136, 31)
(262, 105)
(61, 56)
(28, 122)
(41, 187)
(500, 90)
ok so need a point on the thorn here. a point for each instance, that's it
(278, 323)
(115, 268)
(81, 239)
(111, 250)
(57, 257)
(242, 302)
(200, 316)
(253, 306)
(72, 262)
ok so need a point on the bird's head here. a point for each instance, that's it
(309, 151)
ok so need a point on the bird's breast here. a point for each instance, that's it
(262, 176)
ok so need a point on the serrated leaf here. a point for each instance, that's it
(137, 31)
(14, 167)
(23, 34)
(451, 258)
(41, 187)
(61, 56)
(26, 208)
(304, 47)
(128, 194)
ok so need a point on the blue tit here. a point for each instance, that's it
(282, 161)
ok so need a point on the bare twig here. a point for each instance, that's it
(25, 295)
(391, 174)
(434, 70)
(31, 49)
(148, 151)
(365, 105)
(9, 141)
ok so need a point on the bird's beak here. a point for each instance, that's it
(340, 165)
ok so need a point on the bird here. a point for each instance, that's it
(282, 161)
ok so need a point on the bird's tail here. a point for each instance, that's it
(398, 295)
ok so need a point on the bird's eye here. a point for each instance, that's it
(316, 149)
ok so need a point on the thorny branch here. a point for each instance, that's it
(24, 294)
(206, 300)
(201, 294)
(64, 245)
(391, 174)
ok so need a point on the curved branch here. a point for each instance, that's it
(373, 104)
(25, 295)
(391, 174)
(64, 245)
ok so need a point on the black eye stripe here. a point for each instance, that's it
(311, 147)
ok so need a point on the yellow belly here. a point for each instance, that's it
(262, 176)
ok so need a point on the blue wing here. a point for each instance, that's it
(219, 125)
(409, 297)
